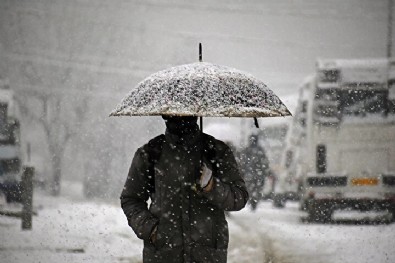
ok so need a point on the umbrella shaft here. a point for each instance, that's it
(200, 53)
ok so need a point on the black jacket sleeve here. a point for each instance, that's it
(135, 195)
(229, 192)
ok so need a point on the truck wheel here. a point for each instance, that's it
(279, 201)
(13, 194)
(11, 198)
(393, 214)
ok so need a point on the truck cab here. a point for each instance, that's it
(10, 150)
(350, 150)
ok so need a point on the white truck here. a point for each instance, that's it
(10, 147)
(346, 158)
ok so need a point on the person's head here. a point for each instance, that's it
(181, 125)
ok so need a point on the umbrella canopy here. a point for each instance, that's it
(201, 89)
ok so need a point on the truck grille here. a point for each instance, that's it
(327, 181)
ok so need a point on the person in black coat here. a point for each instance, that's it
(191, 179)
(255, 168)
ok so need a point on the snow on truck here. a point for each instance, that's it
(10, 149)
(341, 149)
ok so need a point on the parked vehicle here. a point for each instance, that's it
(344, 156)
(10, 148)
(293, 166)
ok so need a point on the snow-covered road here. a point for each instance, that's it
(73, 230)
(288, 240)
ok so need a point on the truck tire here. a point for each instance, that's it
(393, 214)
(12, 197)
(279, 201)
(13, 193)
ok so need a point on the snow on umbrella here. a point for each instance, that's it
(201, 89)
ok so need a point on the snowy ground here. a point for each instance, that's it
(287, 239)
(70, 229)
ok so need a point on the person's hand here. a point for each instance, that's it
(206, 179)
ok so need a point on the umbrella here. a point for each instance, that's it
(201, 89)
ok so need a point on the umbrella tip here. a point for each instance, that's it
(200, 53)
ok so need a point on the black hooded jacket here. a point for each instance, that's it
(191, 226)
